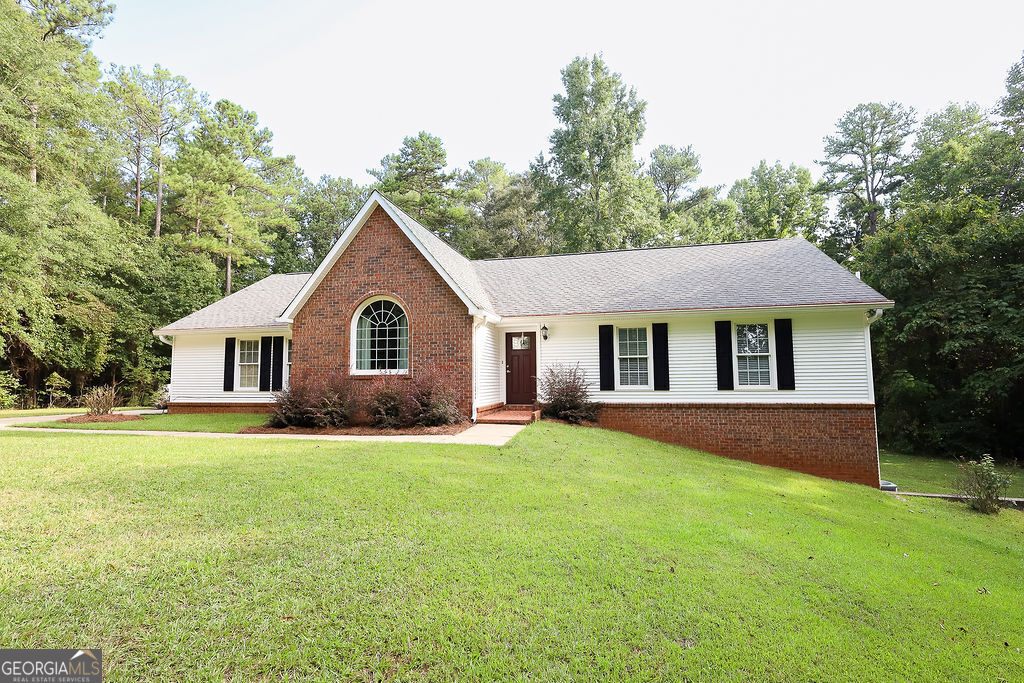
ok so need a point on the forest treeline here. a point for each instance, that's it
(128, 199)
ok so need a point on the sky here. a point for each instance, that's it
(342, 83)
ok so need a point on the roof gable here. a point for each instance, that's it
(454, 268)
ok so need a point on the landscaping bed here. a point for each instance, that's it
(109, 417)
(359, 430)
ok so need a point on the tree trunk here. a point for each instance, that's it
(33, 169)
(159, 192)
(138, 180)
(227, 279)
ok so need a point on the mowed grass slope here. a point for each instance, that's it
(199, 422)
(570, 553)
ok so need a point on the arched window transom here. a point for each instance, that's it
(382, 338)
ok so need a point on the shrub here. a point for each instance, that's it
(314, 403)
(101, 400)
(334, 402)
(982, 484)
(160, 398)
(10, 388)
(294, 407)
(566, 394)
(388, 402)
(433, 401)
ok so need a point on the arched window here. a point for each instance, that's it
(381, 337)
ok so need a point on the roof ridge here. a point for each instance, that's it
(656, 248)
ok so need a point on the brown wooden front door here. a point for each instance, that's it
(520, 367)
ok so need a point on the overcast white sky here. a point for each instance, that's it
(341, 83)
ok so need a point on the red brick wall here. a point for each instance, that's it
(834, 441)
(382, 261)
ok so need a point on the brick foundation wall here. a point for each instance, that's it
(182, 408)
(381, 261)
(834, 441)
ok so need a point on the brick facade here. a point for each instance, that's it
(381, 260)
(834, 441)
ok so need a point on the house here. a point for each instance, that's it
(754, 350)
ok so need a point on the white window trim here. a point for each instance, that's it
(650, 360)
(238, 363)
(773, 385)
(287, 380)
(352, 338)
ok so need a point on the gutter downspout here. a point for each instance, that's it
(872, 317)
(164, 339)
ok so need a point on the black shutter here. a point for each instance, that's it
(265, 344)
(229, 364)
(659, 332)
(784, 353)
(605, 336)
(723, 353)
(277, 370)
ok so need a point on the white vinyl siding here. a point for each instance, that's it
(197, 370)
(489, 366)
(830, 352)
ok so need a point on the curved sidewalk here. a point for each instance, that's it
(477, 435)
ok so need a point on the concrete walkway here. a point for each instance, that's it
(477, 435)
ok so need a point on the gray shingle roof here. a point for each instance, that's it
(455, 264)
(784, 272)
(258, 305)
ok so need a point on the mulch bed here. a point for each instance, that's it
(359, 430)
(115, 417)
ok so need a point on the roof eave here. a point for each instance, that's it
(844, 305)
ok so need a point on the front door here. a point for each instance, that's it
(520, 367)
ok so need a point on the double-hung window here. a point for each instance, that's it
(753, 356)
(248, 363)
(634, 357)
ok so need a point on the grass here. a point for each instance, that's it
(570, 553)
(215, 422)
(18, 412)
(924, 474)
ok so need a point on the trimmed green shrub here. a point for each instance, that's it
(565, 391)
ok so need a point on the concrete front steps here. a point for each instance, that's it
(508, 415)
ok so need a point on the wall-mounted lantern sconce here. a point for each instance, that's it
(544, 333)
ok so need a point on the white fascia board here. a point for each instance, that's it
(223, 331)
(817, 308)
(346, 238)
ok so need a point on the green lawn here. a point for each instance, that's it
(934, 475)
(570, 553)
(17, 412)
(226, 422)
